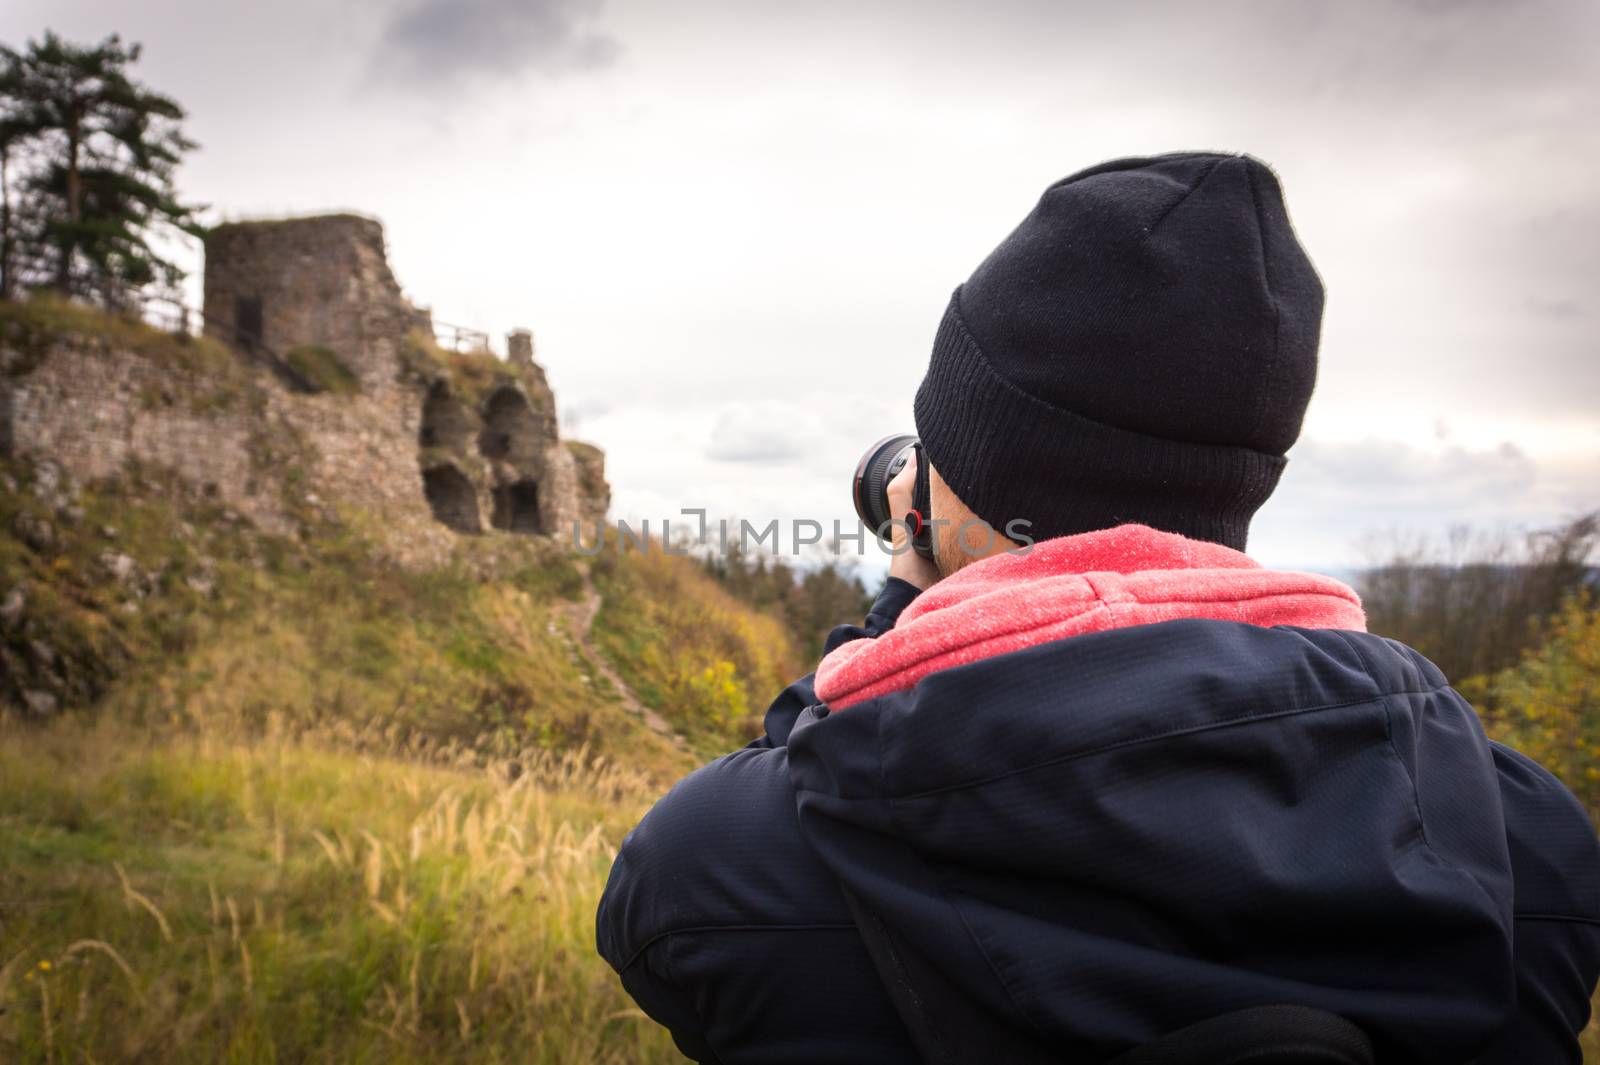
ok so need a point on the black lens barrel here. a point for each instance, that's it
(869, 488)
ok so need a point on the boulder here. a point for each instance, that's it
(11, 608)
(40, 703)
(35, 532)
(120, 566)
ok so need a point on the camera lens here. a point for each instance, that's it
(876, 469)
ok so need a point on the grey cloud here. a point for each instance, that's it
(1362, 485)
(1278, 50)
(1558, 308)
(430, 43)
(763, 432)
(1336, 495)
(1517, 307)
(1399, 474)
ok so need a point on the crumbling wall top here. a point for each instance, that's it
(322, 281)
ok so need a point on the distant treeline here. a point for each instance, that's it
(809, 600)
(1475, 604)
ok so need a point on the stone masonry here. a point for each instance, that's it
(425, 451)
(321, 281)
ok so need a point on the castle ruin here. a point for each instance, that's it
(348, 396)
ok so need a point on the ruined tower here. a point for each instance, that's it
(519, 347)
(318, 282)
(488, 450)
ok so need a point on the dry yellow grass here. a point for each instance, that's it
(706, 661)
(195, 898)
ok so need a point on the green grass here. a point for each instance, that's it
(706, 661)
(322, 368)
(225, 626)
(169, 897)
(472, 374)
(202, 372)
(304, 805)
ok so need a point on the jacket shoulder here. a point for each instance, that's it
(722, 849)
(1555, 853)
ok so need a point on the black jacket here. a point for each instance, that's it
(1080, 846)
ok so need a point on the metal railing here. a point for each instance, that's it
(176, 317)
(167, 315)
(460, 338)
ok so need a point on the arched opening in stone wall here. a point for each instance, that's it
(509, 428)
(452, 499)
(516, 508)
(445, 423)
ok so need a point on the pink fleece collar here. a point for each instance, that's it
(1108, 579)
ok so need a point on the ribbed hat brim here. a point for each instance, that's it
(1009, 455)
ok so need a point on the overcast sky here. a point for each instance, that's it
(733, 227)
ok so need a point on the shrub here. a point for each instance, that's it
(322, 369)
(709, 663)
(1548, 705)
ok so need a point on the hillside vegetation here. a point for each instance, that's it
(276, 799)
(690, 649)
(202, 898)
(1548, 707)
(161, 608)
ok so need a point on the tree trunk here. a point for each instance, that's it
(69, 242)
(6, 279)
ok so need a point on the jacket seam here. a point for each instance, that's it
(1568, 918)
(1133, 741)
(983, 952)
(930, 1029)
(1416, 798)
(944, 890)
(1388, 735)
(659, 936)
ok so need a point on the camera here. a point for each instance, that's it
(869, 489)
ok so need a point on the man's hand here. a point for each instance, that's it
(906, 563)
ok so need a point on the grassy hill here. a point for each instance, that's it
(275, 798)
(290, 801)
(159, 608)
(182, 897)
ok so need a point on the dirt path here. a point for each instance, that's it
(580, 623)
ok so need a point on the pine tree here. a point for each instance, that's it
(92, 155)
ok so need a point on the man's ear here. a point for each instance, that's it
(951, 549)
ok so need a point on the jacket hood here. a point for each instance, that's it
(1082, 829)
(1111, 578)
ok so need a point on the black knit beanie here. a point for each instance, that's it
(1140, 349)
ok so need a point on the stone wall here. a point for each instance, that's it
(505, 447)
(411, 447)
(94, 408)
(270, 454)
(321, 281)
(592, 494)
